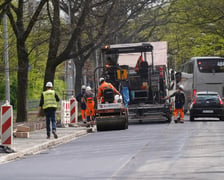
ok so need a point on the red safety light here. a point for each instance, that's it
(199, 62)
(106, 47)
(161, 72)
(220, 100)
(194, 92)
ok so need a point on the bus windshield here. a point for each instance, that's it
(210, 65)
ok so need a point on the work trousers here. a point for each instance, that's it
(176, 111)
(90, 109)
(83, 111)
(50, 120)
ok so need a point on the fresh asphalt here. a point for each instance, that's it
(38, 142)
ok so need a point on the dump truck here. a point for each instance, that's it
(140, 73)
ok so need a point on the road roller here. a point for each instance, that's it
(111, 116)
(111, 113)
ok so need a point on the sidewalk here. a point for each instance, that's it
(38, 142)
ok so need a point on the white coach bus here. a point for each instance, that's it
(202, 74)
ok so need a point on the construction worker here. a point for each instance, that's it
(179, 104)
(48, 103)
(140, 59)
(90, 113)
(104, 85)
(80, 99)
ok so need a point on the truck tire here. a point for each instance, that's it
(126, 119)
(126, 124)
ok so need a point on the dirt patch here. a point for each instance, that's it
(34, 122)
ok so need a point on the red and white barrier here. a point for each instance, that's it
(7, 124)
(73, 110)
(65, 113)
(69, 112)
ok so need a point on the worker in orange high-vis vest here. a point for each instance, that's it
(140, 59)
(179, 104)
(90, 112)
(104, 85)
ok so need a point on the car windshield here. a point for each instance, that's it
(207, 97)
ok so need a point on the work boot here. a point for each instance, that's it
(175, 120)
(92, 123)
(48, 137)
(181, 121)
(55, 135)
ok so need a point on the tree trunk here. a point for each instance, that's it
(49, 73)
(23, 63)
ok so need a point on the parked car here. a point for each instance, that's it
(207, 104)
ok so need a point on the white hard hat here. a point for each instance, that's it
(49, 84)
(101, 79)
(181, 87)
(83, 87)
(118, 98)
(88, 88)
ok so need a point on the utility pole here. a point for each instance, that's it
(70, 67)
(6, 59)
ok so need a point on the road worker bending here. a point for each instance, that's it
(80, 99)
(179, 104)
(90, 112)
(106, 92)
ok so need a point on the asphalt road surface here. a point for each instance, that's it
(147, 151)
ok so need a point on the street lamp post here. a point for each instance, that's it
(70, 67)
(6, 59)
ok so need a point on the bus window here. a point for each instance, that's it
(211, 65)
(191, 68)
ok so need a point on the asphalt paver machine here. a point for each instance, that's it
(144, 80)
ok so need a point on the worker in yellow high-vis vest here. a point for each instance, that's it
(48, 102)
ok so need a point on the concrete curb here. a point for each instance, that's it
(43, 146)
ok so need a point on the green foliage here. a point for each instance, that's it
(13, 91)
(59, 87)
(194, 30)
(191, 28)
(37, 44)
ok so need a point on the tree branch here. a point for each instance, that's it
(34, 18)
